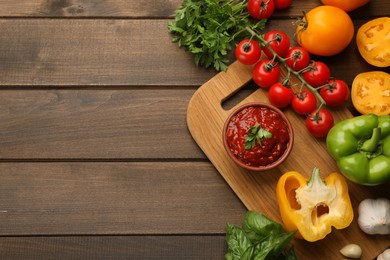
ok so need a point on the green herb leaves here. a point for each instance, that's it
(255, 133)
(259, 238)
(209, 28)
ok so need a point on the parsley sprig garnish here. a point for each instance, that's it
(209, 29)
(255, 133)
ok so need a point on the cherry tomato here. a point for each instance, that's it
(278, 41)
(266, 73)
(335, 93)
(248, 52)
(279, 95)
(319, 122)
(297, 58)
(282, 4)
(261, 9)
(304, 102)
(318, 74)
(325, 30)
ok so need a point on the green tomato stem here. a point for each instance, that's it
(297, 74)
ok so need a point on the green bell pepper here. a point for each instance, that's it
(361, 147)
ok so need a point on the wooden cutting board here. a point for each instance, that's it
(205, 120)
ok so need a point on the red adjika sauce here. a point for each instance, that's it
(270, 149)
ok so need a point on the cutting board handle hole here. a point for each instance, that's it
(239, 95)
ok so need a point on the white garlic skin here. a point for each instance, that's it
(385, 255)
(352, 251)
(374, 216)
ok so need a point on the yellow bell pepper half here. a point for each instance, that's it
(312, 206)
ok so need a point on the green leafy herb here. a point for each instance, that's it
(209, 28)
(255, 133)
(259, 238)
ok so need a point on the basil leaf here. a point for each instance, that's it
(260, 238)
(257, 226)
(277, 243)
(291, 254)
(237, 242)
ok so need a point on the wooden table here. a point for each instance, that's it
(96, 160)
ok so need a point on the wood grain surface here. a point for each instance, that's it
(96, 160)
(145, 9)
(114, 247)
(96, 124)
(68, 53)
(112, 198)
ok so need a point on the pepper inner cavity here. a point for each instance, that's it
(291, 187)
(319, 211)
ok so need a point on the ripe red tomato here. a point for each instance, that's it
(277, 41)
(297, 58)
(318, 74)
(319, 122)
(261, 9)
(248, 52)
(266, 73)
(304, 102)
(335, 93)
(282, 4)
(279, 95)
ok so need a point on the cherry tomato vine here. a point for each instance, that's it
(314, 76)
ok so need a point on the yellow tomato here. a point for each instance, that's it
(373, 42)
(325, 30)
(346, 5)
(370, 93)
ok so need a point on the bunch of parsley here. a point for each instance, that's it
(210, 28)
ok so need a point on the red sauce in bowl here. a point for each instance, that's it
(270, 149)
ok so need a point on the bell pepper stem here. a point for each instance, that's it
(371, 144)
(315, 178)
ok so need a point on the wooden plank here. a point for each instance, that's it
(115, 198)
(89, 8)
(114, 247)
(205, 115)
(93, 52)
(119, 247)
(84, 52)
(95, 124)
(130, 198)
(144, 8)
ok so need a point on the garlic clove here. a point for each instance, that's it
(351, 251)
(385, 255)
